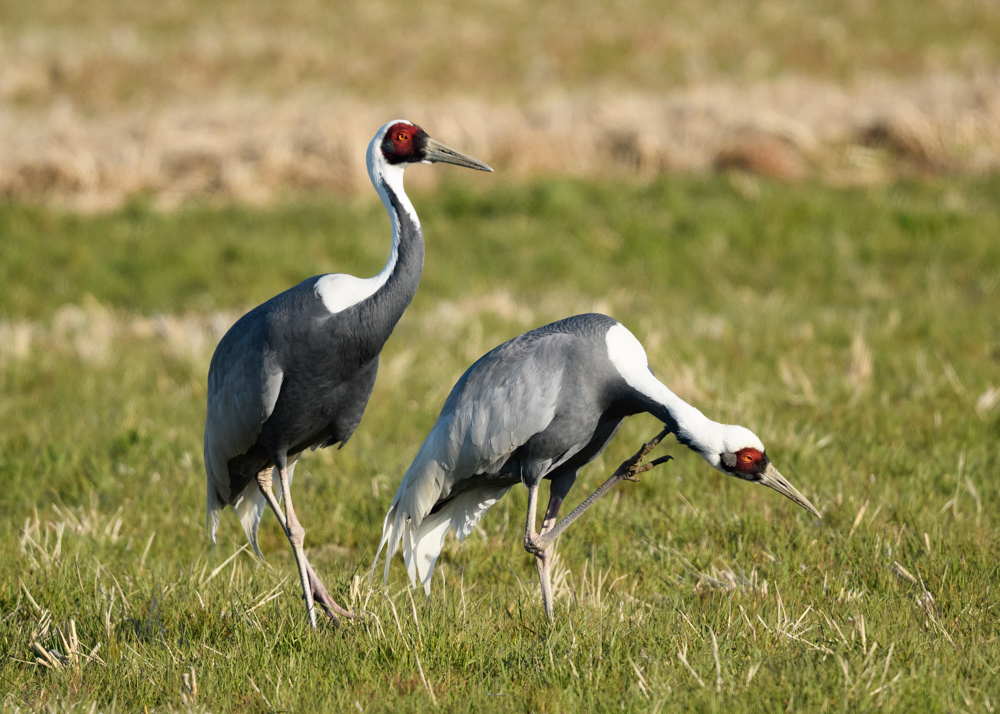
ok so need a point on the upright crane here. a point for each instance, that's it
(296, 372)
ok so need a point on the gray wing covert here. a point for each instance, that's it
(505, 402)
(504, 399)
(244, 381)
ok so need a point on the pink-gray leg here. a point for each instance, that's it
(313, 589)
(543, 560)
(539, 544)
(542, 557)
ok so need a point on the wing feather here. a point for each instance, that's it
(244, 382)
(502, 401)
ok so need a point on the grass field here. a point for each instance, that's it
(855, 330)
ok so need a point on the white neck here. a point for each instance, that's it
(387, 177)
(709, 438)
(338, 291)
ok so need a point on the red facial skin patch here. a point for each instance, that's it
(403, 139)
(749, 461)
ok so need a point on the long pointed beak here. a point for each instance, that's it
(436, 151)
(772, 479)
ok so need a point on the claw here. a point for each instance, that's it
(635, 465)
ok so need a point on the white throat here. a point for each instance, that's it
(339, 291)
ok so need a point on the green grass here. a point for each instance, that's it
(855, 331)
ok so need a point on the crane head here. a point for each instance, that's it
(743, 456)
(406, 143)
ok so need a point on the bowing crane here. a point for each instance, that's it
(296, 372)
(542, 406)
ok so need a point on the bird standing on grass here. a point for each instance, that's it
(542, 406)
(297, 371)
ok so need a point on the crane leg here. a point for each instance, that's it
(320, 595)
(293, 531)
(543, 560)
(296, 536)
(628, 471)
(538, 544)
(543, 556)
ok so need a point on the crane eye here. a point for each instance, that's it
(402, 137)
(747, 458)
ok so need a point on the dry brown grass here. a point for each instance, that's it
(252, 151)
(245, 101)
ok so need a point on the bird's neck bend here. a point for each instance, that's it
(689, 425)
(400, 277)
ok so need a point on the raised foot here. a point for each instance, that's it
(633, 466)
(637, 468)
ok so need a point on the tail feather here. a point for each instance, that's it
(212, 514)
(421, 545)
(249, 508)
(391, 533)
(215, 502)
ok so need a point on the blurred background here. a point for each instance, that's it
(247, 101)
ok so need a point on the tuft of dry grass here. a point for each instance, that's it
(763, 154)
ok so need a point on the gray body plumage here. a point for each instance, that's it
(539, 406)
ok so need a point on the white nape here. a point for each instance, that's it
(710, 438)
